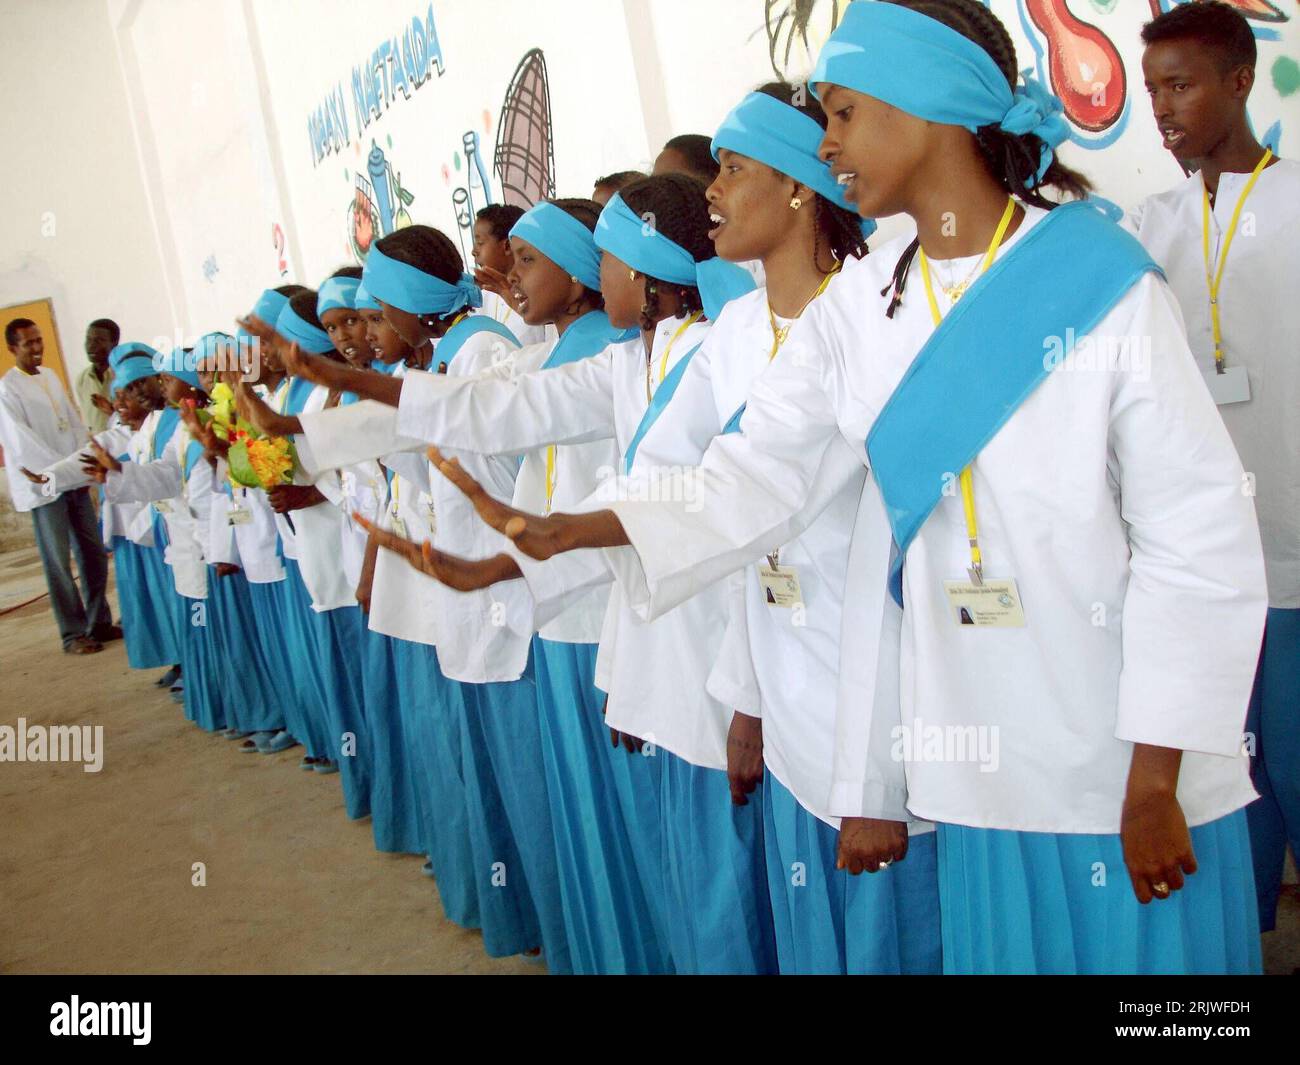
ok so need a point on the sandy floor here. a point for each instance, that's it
(96, 868)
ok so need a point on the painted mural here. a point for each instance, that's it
(1074, 51)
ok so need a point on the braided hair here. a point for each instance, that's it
(427, 249)
(1011, 159)
(677, 208)
(837, 229)
(586, 212)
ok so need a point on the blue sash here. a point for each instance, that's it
(167, 422)
(662, 395)
(987, 357)
(589, 335)
(455, 337)
(190, 457)
(299, 390)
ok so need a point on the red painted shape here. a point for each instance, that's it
(1083, 65)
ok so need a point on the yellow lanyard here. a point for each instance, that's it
(550, 476)
(663, 363)
(967, 486)
(779, 333)
(1213, 274)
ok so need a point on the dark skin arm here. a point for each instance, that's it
(744, 756)
(1153, 830)
(255, 410)
(459, 574)
(338, 375)
(367, 581)
(536, 536)
(287, 497)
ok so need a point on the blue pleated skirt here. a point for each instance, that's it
(513, 736)
(638, 784)
(607, 918)
(430, 710)
(394, 806)
(831, 923)
(275, 614)
(144, 591)
(200, 664)
(250, 695)
(338, 642)
(719, 912)
(310, 724)
(1274, 721)
(1038, 902)
(509, 920)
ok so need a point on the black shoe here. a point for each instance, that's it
(169, 678)
(108, 633)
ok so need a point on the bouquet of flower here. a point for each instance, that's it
(255, 459)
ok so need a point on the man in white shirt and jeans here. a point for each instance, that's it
(38, 426)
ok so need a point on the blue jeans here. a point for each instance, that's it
(69, 522)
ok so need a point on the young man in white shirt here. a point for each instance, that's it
(38, 427)
(1228, 238)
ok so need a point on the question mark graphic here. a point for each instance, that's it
(277, 237)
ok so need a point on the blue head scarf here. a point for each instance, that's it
(410, 289)
(130, 368)
(762, 127)
(562, 239)
(296, 329)
(917, 64)
(180, 364)
(363, 300)
(268, 306)
(622, 233)
(337, 292)
(123, 351)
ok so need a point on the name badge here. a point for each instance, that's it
(1231, 386)
(239, 516)
(994, 604)
(399, 527)
(780, 585)
(432, 516)
(163, 506)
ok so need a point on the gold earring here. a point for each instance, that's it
(795, 203)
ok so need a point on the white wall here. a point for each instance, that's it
(77, 225)
(171, 139)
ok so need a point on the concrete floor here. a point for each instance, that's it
(96, 868)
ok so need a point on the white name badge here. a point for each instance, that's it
(780, 585)
(163, 506)
(399, 527)
(993, 604)
(239, 516)
(1231, 386)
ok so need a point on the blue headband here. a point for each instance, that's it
(622, 233)
(363, 300)
(762, 127)
(180, 364)
(562, 239)
(122, 351)
(307, 336)
(269, 305)
(132, 367)
(410, 289)
(917, 64)
(337, 292)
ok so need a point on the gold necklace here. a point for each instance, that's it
(779, 333)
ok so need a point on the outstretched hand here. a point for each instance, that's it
(536, 536)
(459, 574)
(35, 478)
